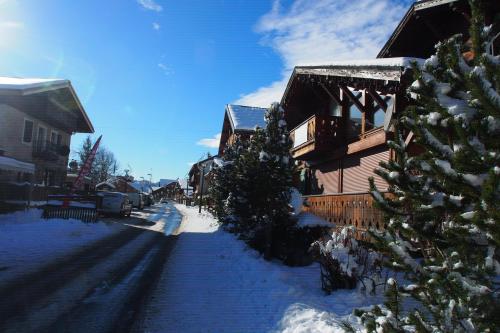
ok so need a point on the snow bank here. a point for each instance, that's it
(212, 282)
(308, 220)
(196, 222)
(28, 242)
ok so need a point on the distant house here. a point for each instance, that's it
(37, 119)
(119, 184)
(241, 121)
(199, 184)
(86, 185)
(184, 187)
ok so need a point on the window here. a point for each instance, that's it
(28, 131)
(334, 109)
(41, 137)
(355, 117)
(376, 118)
(53, 137)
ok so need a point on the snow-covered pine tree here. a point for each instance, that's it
(223, 181)
(262, 177)
(277, 165)
(445, 202)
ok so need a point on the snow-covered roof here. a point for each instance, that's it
(245, 118)
(404, 62)
(11, 164)
(107, 183)
(165, 182)
(141, 186)
(183, 184)
(15, 86)
(26, 86)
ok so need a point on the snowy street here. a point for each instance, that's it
(68, 276)
(150, 273)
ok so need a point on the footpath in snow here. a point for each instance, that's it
(212, 282)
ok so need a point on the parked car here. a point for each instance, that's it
(164, 200)
(137, 200)
(115, 203)
(148, 200)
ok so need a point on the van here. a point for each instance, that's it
(137, 200)
(115, 203)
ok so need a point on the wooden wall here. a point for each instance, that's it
(350, 173)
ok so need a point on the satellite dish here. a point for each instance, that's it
(388, 116)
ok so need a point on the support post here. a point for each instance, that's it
(201, 168)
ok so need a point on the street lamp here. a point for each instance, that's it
(142, 184)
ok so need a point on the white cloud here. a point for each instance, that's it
(156, 26)
(12, 24)
(322, 31)
(150, 5)
(167, 70)
(210, 142)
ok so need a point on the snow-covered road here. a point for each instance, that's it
(79, 277)
(152, 273)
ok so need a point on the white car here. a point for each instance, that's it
(137, 200)
(115, 203)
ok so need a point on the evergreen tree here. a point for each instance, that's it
(444, 203)
(223, 182)
(253, 191)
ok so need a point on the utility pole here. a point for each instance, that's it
(187, 190)
(202, 178)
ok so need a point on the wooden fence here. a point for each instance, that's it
(356, 209)
(80, 207)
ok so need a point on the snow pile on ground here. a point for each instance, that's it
(308, 220)
(28, 242)
(212, 282)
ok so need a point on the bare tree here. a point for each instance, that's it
(105, 164)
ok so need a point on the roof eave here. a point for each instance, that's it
(230, 117)
(82, 111)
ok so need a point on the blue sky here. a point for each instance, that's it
(154, 75)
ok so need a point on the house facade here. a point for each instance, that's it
(197, 182)
(37, 119)
(341, 115)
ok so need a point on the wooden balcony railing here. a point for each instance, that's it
(356, 209)
(317, 134)
(49, 151)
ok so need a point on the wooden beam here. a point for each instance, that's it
(332, 95)
(409, 138)
(376, 97)
(353, 98)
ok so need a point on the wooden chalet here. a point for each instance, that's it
(340, 115)
(198, 183)
(121, 184)
(240, 121)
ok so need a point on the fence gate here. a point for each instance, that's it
(79, 207)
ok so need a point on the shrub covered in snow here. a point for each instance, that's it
(446, 202)
(345, 262)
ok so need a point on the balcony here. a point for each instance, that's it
(317, 134)
(48, 151)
